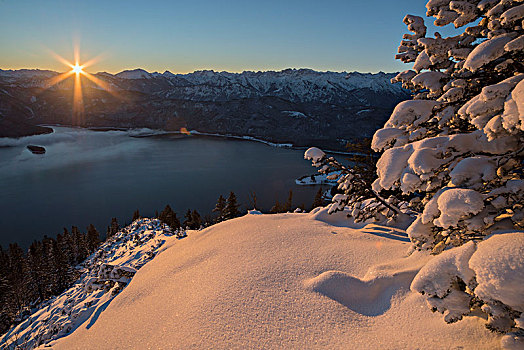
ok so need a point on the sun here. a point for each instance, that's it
(77, 69)
(77, 72)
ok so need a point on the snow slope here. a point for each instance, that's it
(105, 274)
(279, 281)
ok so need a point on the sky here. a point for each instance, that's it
(184, 36)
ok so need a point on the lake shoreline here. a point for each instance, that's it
(160, 133)
(165, 133)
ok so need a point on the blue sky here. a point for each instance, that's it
(183, 36)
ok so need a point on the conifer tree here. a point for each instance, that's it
(45, 270)
(113, 227)
(6, 293)
(231, 209)
(168, 216)
(253, 199)
(49, 268)
(220, 208)
(208, 220)
(136, 215)
(318, 201)
(188, 220)
(196, 220)
(37, 268)
(66, 245)
(276, 208)
(459, 142)
(289, 203)
(453, 157)
(18, 276)
(93, 238)
(80, 244)
(62, 268)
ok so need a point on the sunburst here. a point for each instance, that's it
(78, 70)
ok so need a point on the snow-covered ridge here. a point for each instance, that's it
(288, 281)
(104, 275)
(27, 77)
(298, 79)
(261, 79)
(27, 73)
(292, 82)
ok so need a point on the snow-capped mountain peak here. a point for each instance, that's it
(134, 74)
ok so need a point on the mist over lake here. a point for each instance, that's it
(90, 176)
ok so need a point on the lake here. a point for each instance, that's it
(90, 176)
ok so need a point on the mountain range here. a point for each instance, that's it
(298, 106)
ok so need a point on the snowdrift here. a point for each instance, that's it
(278, 281)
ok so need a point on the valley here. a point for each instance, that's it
(298, 106)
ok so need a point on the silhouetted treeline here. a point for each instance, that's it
(46, 269)
(227, 208)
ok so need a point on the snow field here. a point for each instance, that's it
(279, 281)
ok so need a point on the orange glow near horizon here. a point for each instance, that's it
(78, 71)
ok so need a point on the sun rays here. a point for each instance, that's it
(77, 72)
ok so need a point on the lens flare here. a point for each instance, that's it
(184, 131)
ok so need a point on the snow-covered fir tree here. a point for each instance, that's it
(457, 149)
(453, 156)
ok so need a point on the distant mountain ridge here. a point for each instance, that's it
(263, 82)
(292, 105)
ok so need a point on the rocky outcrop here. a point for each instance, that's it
(36, 149)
